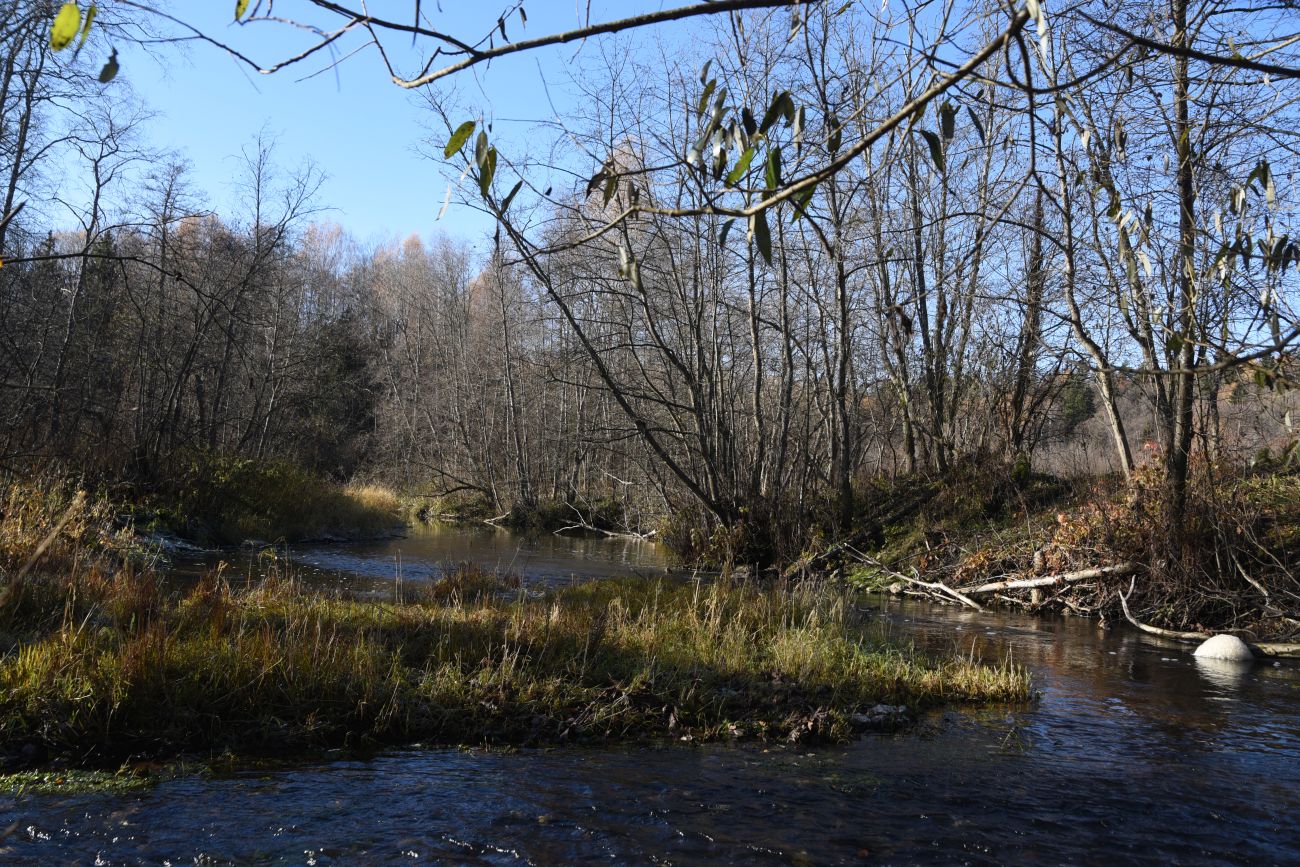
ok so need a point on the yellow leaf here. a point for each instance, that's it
(85, 29)
(66, 25)
(241, 6)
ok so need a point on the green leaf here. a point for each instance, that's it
(742, 166)
(611, 188)
(726, 230)
(936, 148)
(85, 28)
(458, 139)
(109, 72)
(241, 6)
(979, 127)
(801, 201)
(761, 235)
(65, 27)
(772, 173)
(704, 97)
(776, 110)
(480, 149)
(837, 133)
(510, 196)
(487, 169)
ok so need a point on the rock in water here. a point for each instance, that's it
(1224, 647)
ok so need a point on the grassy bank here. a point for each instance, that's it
(217, 502)
(108, 667)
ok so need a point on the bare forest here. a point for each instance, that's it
(756, 280)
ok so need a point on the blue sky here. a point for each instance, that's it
(361, 129)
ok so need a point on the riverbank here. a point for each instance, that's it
(1094, 547)
(103, 668)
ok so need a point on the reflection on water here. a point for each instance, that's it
(426, 550)
(1136, 753)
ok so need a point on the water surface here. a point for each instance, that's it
(1135, 754)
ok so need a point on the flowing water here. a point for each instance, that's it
(1135, 753)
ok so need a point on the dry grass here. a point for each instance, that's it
(116, 669)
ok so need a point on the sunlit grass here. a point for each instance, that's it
(126, 671)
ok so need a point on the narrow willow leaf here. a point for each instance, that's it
(761, 235)
(772, 173)
(458, 139)
(704, 97)
(486, 171)
(85, 28)
(446, 200)
(523, 17)
(241, 6)
(65, 27)
(480, 149)
(109, 72)
(742, 166)
(774, 111)
(979, 127)
(726, 230)
(837, 134)
(611, 188)
(801, 203)
(936, 149)
(510, 196)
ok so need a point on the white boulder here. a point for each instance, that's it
(1228, 647)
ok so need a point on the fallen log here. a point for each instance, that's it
(1281, 650)
(1120, 569)
(1276, 649)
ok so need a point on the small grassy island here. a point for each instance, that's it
(121, 670)
(104, 664)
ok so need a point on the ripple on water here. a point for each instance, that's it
(1135, 754)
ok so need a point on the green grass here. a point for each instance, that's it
(75, 782)
(113, 668)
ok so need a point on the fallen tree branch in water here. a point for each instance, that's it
(1155, 630)
(1051, 580)
(1282, 650)
(935, 586)
(583, 524)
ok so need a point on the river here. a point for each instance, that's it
(1134, 753)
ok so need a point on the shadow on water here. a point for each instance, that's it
(1136, 753)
